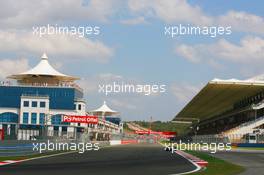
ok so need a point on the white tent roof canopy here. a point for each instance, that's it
(43, 69)
(104, 110)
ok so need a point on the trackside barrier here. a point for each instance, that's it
(249, 145)
(23, 148)
(102, 143)
(122, 142)
(6, 162)
(16, 148)
(217, 138)
(115, 142)
(128, 141)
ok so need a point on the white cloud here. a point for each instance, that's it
(65, 46)
(250, 49)
(170, 11)
(20, 14)
(91, 83)
(184, 92)
(187, 52)
(110, 77)
(242, 21)
(27, 13)
(134, 21)
(9, 66)
(122, 104)
(132, 106)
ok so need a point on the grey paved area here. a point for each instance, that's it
(253, 162)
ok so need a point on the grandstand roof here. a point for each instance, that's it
(218, 96)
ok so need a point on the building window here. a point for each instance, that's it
(26, 103)
(41, 118)
(42, 104)
(9, 117)
(34, 104)
(56, 119)
(33, 118)
(79, 107)
(25, 117)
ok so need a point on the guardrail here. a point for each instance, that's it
(24, 148)
(218, 138)
(16, 148)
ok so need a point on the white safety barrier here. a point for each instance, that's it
(115, 142)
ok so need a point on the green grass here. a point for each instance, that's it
(216, 166)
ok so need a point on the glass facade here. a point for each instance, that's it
(33, 118)
(26, 103)
(59, 97)
(41, 118)
(115, 120)
(34, 104)
(57, 120)
(9, 117)
(30, 127)
(42, 104)
(25, 117)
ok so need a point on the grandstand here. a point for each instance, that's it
(231, 108)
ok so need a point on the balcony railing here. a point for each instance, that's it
(61, 85)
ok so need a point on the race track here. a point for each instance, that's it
(141, 159)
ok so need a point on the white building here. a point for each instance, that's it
(34, 107)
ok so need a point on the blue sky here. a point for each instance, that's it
(132, 47)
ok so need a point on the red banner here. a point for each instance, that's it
(169, 133)
(141, 132)
(80, 119)
(165, 133)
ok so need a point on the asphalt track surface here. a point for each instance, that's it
(252, 161)
(145, 159)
